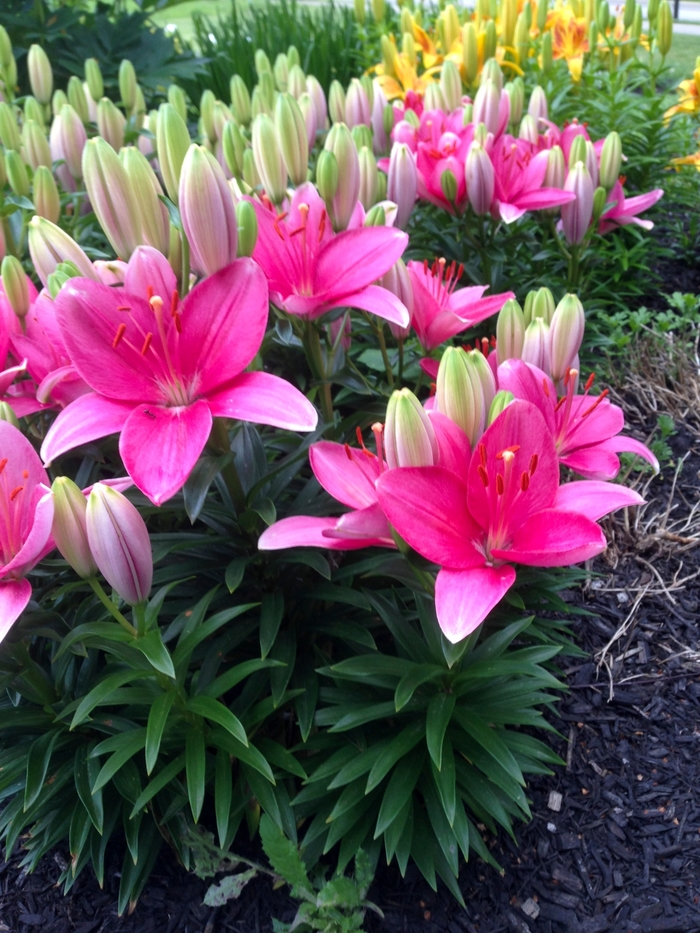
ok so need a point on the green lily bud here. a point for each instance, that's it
(262, 63)
(291, 135)
(653, 11)
(376, 217)
(281, 72)
(293, 56)
(17, 173)
(389, 55)
(93, 76)
(36, 146)
(336, 102)
(492, 72)
(34, 111)
(629, 11)
(547, 55)
(470, 53)
(408, 48)
(593, 33)
(528, 129)
(499, 404)
(70, 130)
(178, 100)
(536, 344)
(40, 74)
(636, 30)
(448, 184)
(379, 10)
(3, 176)
(327, 175)
(521, 36)
(610, 160)
(388, 119)
(9, 130)
(206, 112)
(467, 114)
(69, 528)
(368, 86)
(481, 134)
(8, 415)
(233, 146)
(250, 170)
(361, 136)
(49, 246)
(268, 89)
(77, 98)
(6, 55)
(565, 336)
(409, 437)
(110, 123)
(240, 100)
(602, 16)
(247, 222)
(173, 141)
(14, 284)
(542, 10)
(47, 202)
(222, 116)
(296, 83)
(58, 101)
(508, 18)
(339, 142)
(369, 178)
(577, 152)
(258, 103)
(664, 28)
(556, 169)
(207, 212)
(127, 85)
(542, 306)
(112, 196)
(465, 390)
(154, 219)
(516, 95)
(433, 99)
(510, 332)
(360, 11)
(600, 197)
(268, 159)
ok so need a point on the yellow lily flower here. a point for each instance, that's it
(689, 93)
(569, 38)
(693, 159)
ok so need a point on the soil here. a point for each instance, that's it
(614, 843)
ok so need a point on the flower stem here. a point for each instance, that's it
(314, 355)
(379, 331)
(111, 608)
(400, 360)
(219, 439)
(185, 285)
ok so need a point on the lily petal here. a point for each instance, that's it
(307, 531)
(463, 598)
(14, 596)
(551, 538)
(348, 477)
(35, 544)
(88, 418)
(355, 258)
(376, 300)
(594, 499)
(264, 399)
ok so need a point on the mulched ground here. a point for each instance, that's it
(614, 844)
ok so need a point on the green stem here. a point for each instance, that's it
(111, 608)
(379, 331)
(574, 269)
(140, 615)
(185, 286)
(400, 360)
(318, 368)
(219, 439)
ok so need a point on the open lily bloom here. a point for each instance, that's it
(519, 174)
(161, 369)
(625, 210)
(504, 508)
(27, 514)
(311, 269)
(586, 429)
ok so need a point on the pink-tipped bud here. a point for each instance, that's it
(336, 102)
(40, 74)
(207, 211)
(536, 344)
(510, 332)
(528, 130)
(112, 196)
(369, 178)
(480, 178)
(402, 182)
(398, 282)
(318, 96)
(71, 140)
(308, 111)
(487, 104)
(466, 388)
(111, 123)
(119, 543)
(292, 137)
(409, 437)
(69, 528)
(153, 214)
(451, 84)
(36, 145)
(296, 82)
(537, 107)
(268, 158)
(565, 336)
(556, 169)
(357, 108)
(379, 134)
(611, 158)
(340, 142)
(576, 215)
(592, 162)
(49, 246)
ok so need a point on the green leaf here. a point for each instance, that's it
(281, 758)
(397, 748)
(129, 744)
(216, 711)
(398, 790)
(271, 613)
(195, 490)
(248, 754)
(85, 774)
(78, 832)
(223, 793)
(151, 645)
(264, 793)
(369, 665)
(361, 715)
(489, 739)
(440, 711)
(305, 677)
(161, 780)
(235, 573)
(283, 855)
(189, 641)
(446, 780)
(38, 759)
(157, 719)
(134, 876)
(101, 693)
(195, 768)
(231, 678)
(131, 832)
(229, 888)
(411, 680)
(284, 651)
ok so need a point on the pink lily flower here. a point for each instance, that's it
(625, 210)
(585, 429)
(503, 508)
(440, 312)
(350, 476)
(442, 146)
(161, 370)
(520, 172)
(26, 505)
(311, 269)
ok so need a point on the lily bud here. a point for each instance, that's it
(536, 344)
(119, 543)
(327, 175)
(375, 217)
(206, 113)
(602, 15)
(14, 284)
(636, 30)
(577, 151)
(610, 160)
(402, 182)
(538, 107)
(433, 99)
(8, 415)
(470, 53)
(528, 130)
(240, 100)
(207, 211)
(542, 10)
(34, 111)
(9, 130)
(258, 103)
(8, 65)
(539, 303)
(69, 527)
(71, 139)
(339, 142)
(250, 170)
(221, 116)
(357, 106)
(57, 101)
(17, 173)
(247, 224)
(451, 84)
(361, 136)
(49, 246)
(521, 36)
(565, 336)
(77, 98)
(499, 404)
(40, 74)
(591, 162)
(593, 35)
(172, 141)
(492, 72)
(177, 99)
(516, 94)
(629, 11)
(547, 54)
(318, 96)
(281, 72)
(110, 123)
(369, 178)
(233, 145)
(127, 85)
(508, 18)
(47, 201)
(308, 111)
(487, 104)
(378, 10)
(93, 76)
(388, 119)
(296, 83)
(336, 102)
(262, 63)
(268, 158)
(664, 28)
(292, 138)
(36, 145)
(556, 169)
(409, 437)
(153, 215)
(576, 215)
(111, 196)
(398, 282)
(466, 387)
(448, 185)
(360, 11)
(480, 178)
(510, 332)
(293, 56)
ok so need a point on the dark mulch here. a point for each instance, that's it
(614, 843)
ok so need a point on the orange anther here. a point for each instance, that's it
(524, 482)
(589, 382)
(149, 292)
(146, 343)
(174, 302)
(534, 460)
(483, 475)
(3, 464)
(500, 487)
(121, 330)
(482, 454)
(15, 492)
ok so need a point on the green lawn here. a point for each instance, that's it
(181, 15)
(684, 51)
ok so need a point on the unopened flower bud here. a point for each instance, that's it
(508, 17)
(602, 15)
(375, 217)
(119, 543)
(448, 185)
(539, 303)
(240, 100)
(207, 211)
(636, 30)
(47, 201)
(369, 175)
(593, 33)
(173, 141)
(528, 129)
(268, 158)
(14, 284)
(379, 10)
(154, 219)
(293, 56)
(516, 94)
(480, 178)
(36, 145)
(664, 28)
(542, 10)
(510, 332)
(34, 111)
(398, 282)
(49, 246)
(465, 389)
(291, 135)
(296, 82)
(233, 145)
(537, 107)
(268, 89)
(339, 141)
(327, 175)
(501, 401)
(178, 100)
(546, 54)
(9, 130)
(93, 76)
(112, 197)
(402, 182)
(360, 11)
(536, 344)
(318, 96)
(600, 197)
(127, 85)
(308, 111)
(250, 171)
(281, 72)
(17, 173)
(591, 162)
(262, 63)
(565, 336)
(577, 214)
(577, 150)
(336, 102)
(247, 224)
(77, 98)
(470, 53)
(69, 136)
(492, 72)
(58, 100)
(629, 11)
(409, 437)
(433, 99)
(206, 113)
(258, 103)
(361, 136)
(110, 123)
(521, 36)
(610, 160)
(487, 105)
(556, 169)
(451, 84)
(8, 415)
(357, 107)
(69, 527)
(40, 74)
